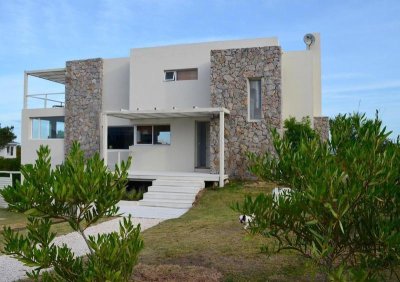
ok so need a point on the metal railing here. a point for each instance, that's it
(45, 98)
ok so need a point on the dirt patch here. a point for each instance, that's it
(170, 272)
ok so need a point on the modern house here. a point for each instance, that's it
(9, 151)
(190, 110)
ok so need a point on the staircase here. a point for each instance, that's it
(172, 193)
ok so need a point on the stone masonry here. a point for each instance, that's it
(321, 125)
(83, 104)
(230, 71)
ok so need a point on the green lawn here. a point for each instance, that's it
(210, 236)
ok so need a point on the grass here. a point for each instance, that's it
(210, 236)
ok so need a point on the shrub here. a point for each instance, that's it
(296, 131)
(10, 164)
(344, 210)
(80, 192)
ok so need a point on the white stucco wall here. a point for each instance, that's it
(29, 146)
(148, 88)
(116, 87)
(301, 82)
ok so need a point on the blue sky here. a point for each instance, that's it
(360, 41)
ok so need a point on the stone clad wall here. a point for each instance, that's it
(321, 125)
(83, 104)
(230, 71)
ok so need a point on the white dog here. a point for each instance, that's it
(278, 192)
(246, 219)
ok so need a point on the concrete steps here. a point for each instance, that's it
(172, 193)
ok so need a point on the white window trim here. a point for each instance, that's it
(172, 79)
(248, 99)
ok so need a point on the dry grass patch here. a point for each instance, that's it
(210, 236)
(155, 273)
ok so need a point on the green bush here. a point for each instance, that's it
(10, 164)
(133, 195)
(80, 192)
(296, 131)
(344, 210)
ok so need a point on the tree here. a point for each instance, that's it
(6, 135)
(343, 212)
(80, 192)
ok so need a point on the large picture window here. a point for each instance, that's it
(153, 134)
(120, 137)
(255, 102)
(48, 128)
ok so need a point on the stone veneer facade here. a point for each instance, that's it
(321, 125)
(230, 71)
(83, 104)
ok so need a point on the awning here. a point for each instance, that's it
(166, 113)
(54, 75)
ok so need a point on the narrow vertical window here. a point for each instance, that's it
(255, 103)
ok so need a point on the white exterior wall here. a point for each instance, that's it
(4, 154)
(116, 87)
(179, 156)
(148, 88)
(29, 146)
(301, 82)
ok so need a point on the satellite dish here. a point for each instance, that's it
(309, 39)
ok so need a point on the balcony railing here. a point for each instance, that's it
(49, 100)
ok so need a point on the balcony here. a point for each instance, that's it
(53, 79)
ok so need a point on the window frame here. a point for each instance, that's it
(165, 75)
(135, 143)
(249, 119)
(32, 119)
(175, 71)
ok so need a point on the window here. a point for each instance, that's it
(169, 75)
(183, 74)
(120, 137)
(189, 74)
(162, 134)
(48, 128)
(153, 134)
(144, 134)
(255, 103)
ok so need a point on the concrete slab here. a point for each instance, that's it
(132, 208)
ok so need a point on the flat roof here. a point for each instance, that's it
(54, 75)
(166, 113)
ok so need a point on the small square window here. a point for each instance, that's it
(144, 134)
(169, 75)
(162, 135)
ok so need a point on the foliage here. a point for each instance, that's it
(133, 195)
(80, 192)
(6, 135)
(10, 164)
(296, 131)
(343, 211)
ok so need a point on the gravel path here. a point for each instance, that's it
(11, 269)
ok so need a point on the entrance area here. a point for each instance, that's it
(202, 145)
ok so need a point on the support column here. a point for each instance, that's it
(105, 139)
(221, 148)
(25, 90)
